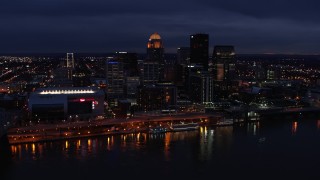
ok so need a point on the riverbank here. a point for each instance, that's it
(28, 139)
(83, 129)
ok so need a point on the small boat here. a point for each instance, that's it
(157, 129)
(184, 127)
(225, 122)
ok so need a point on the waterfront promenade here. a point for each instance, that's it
(136, 124)
(141, 123)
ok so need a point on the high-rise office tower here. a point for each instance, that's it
(199, 49)
(189, 71)
(130, 62)
(132, 84)
(224, 63)
(70, 60)
(115, 79)
(150, 73)
(155, 50)
(224, 71)
(161, 96)
(153, 66)
(201, 84)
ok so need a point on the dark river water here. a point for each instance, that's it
(281, 150)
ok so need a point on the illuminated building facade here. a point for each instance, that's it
(115, 79)
(154, 63)
(132, 84)
(273, 72)
(155, 50)
(150, 73)
(224, 63)
(56, 104)
(161, 96)
(223, 70)
(199, 49)
(70, 60)
(201, 85)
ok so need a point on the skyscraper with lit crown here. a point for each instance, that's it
(155, 50)
(153, 66)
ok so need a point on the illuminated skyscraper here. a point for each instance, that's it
(115, 80)
(153, 66)
(201, 84)
(199, 49)
(70, 60)
(224, 63)
(155, 50)
(224, 71)
(150, 73)
(160, 96)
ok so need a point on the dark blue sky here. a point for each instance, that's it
(253, 26)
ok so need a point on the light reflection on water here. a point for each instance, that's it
(253, 128)
(207, 137)
(254, 146)
(206, 143)
(167, 141)
(294, 127)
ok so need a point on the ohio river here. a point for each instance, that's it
(257, 150)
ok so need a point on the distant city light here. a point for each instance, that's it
(67, 92)
(112, 62)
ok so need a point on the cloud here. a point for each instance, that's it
(92, 7)
(284, 9)
(106, 26)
